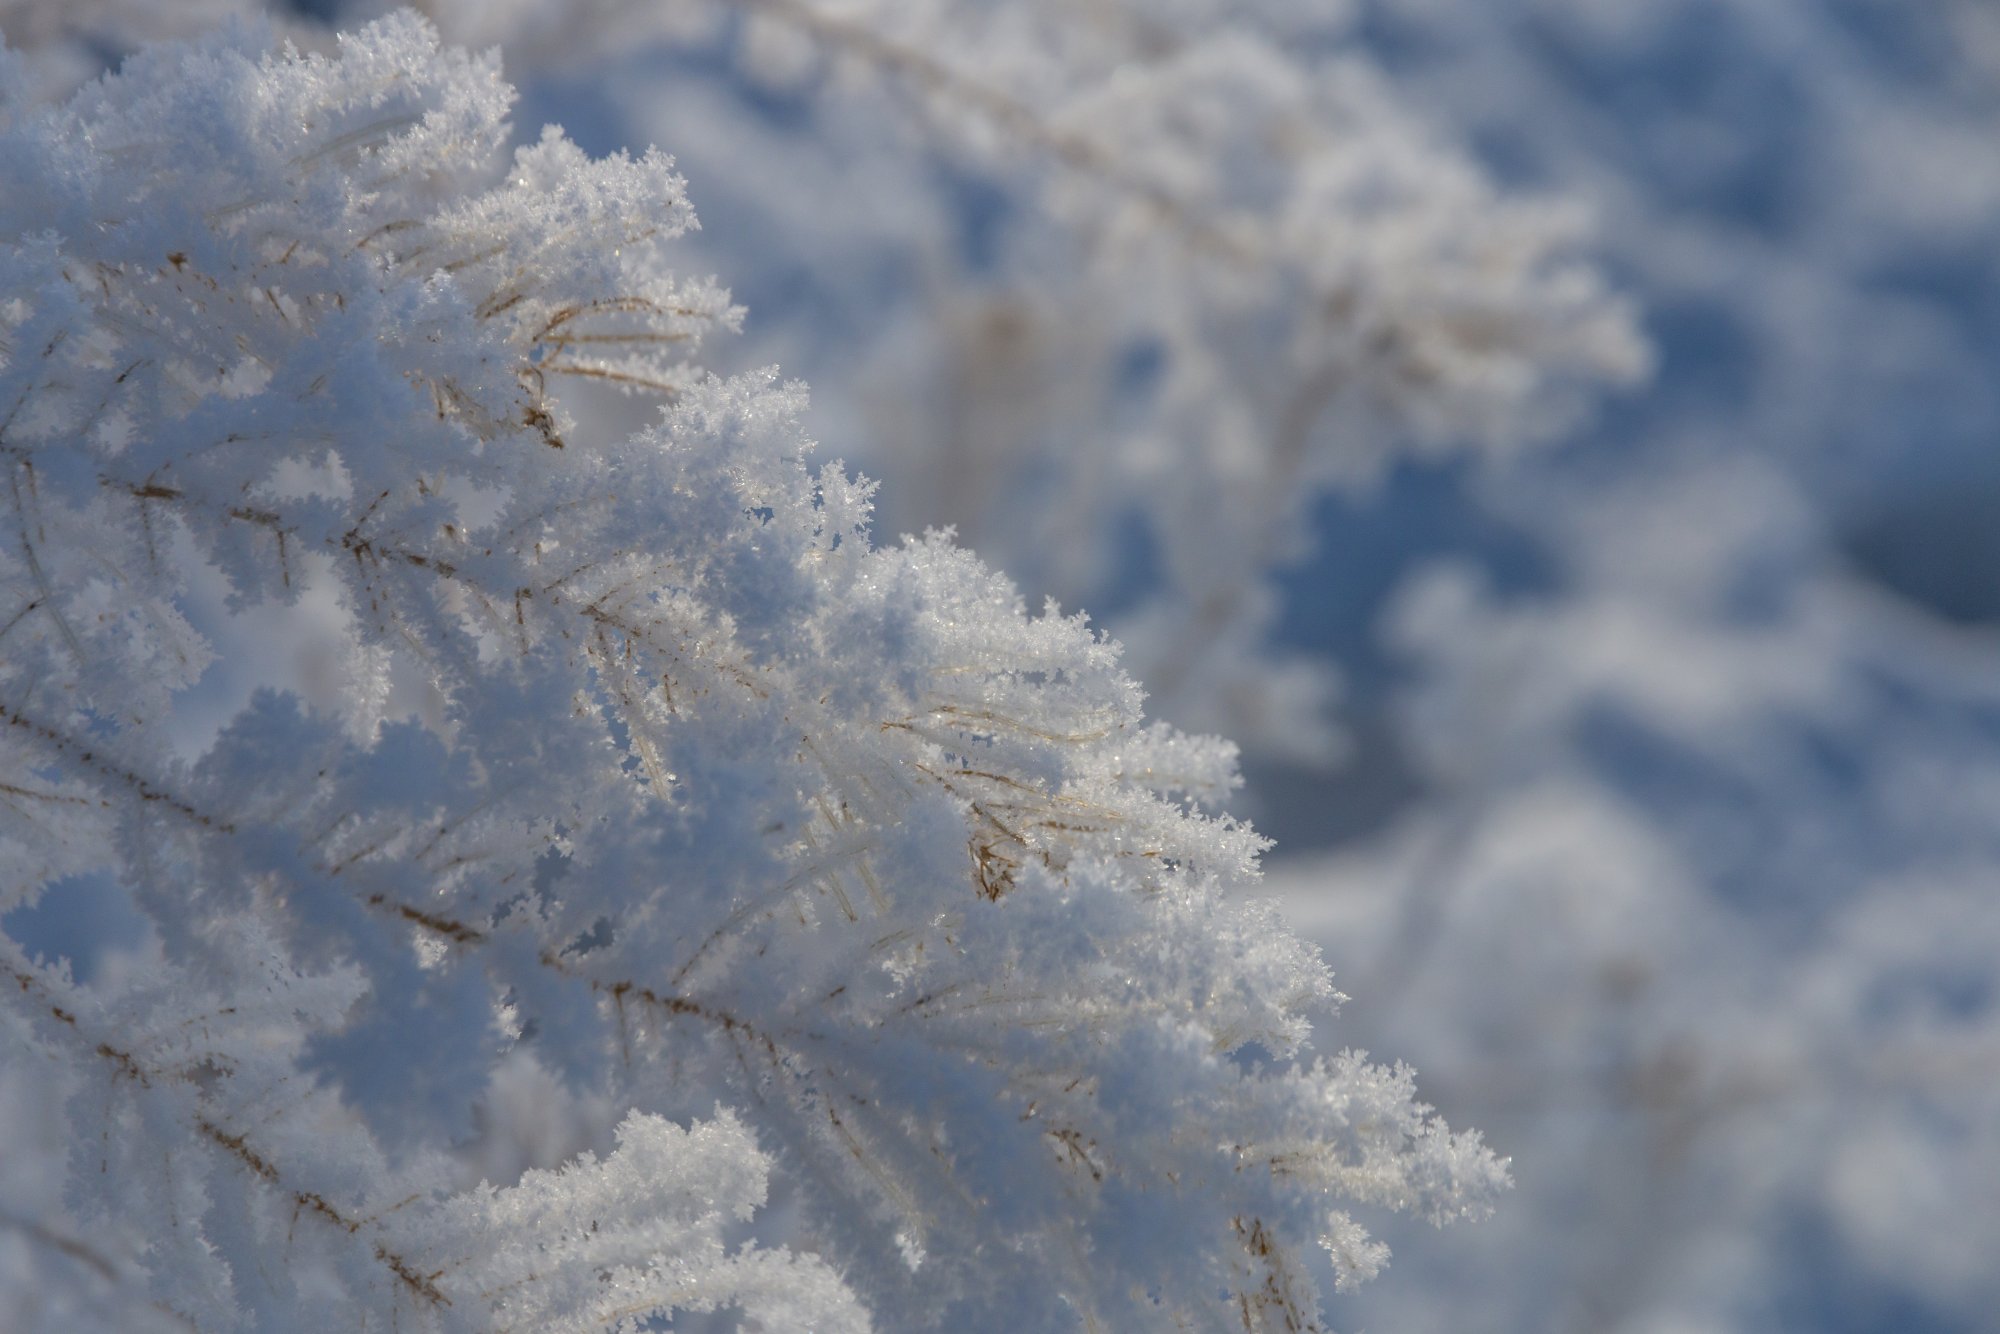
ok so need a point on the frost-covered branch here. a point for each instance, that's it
(706, 803)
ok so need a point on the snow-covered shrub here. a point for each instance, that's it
(631, 772)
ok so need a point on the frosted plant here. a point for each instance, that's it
(633, 759)
(1118, 291)
(1126, 282)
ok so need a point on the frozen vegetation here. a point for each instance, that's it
(495, 833)
(707, 809)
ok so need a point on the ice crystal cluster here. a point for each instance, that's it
(628, 773)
